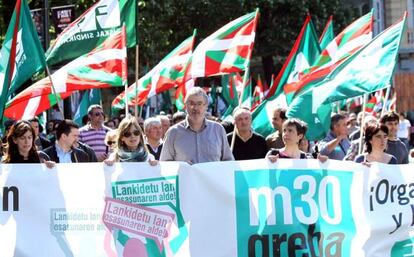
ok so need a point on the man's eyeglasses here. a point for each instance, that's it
(194, 104)
(98, 114)
(128, 134)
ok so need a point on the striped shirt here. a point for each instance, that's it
(95, 138)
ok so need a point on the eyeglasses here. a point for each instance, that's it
(99, 114)
(194, 104)
(128, 134)
(110, 142)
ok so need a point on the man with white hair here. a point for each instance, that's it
(196, 139)
(247, 144)
(153, 135)
(165, 124)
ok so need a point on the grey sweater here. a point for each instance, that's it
(398, 149)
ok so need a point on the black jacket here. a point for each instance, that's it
(77, 155)
(44, 142)
(89, 151)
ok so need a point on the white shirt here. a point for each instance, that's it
(404, 129)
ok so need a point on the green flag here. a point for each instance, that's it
(246, 98)
(367, 70)
(302, 56)
(82, 108)
(98, 23)
(318, 123)
(262, 115)
(21, 54)
(327, 35)
(229, 90)
(304, 53)
(89, 97)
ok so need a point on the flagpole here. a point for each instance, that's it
(136, 59)
(136, 76)
(387, 94)
(246, 72)
(361, 129)
(140, 110)
(124, 71)
(54, 90)
(126, 99)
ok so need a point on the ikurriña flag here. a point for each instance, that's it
(168, 73)
(101, 68)
(227, 50)
(367, 70)
(350, 40)
(258, 93)
(327, 34)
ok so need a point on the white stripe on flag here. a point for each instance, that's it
(348, 47)
(31, 107)
(101, 56)
(60, 76)
(352, 44)
(155, 72)
(332, 48)
(199, 55)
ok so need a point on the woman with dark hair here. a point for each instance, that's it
(20, 146)
(130, 145)
(293, 132)
(376, 139)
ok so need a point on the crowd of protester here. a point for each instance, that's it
(195, 137)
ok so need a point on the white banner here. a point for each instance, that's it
(248, 208)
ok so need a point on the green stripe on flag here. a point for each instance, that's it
(97, 75)
(236, 25)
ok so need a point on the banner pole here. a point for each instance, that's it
(124, 72)
(54, 91)
(361, 129)
(246, 73)
(136, 77)
(387, 94)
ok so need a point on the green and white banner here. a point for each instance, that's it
(247, 208)
(99, 22)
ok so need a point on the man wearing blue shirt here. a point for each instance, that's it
(335, 145)
(196, 139)
(67, 134)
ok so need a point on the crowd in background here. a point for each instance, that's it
(194, 137)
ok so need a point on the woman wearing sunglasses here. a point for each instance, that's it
(130, 146)
(110, 141)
